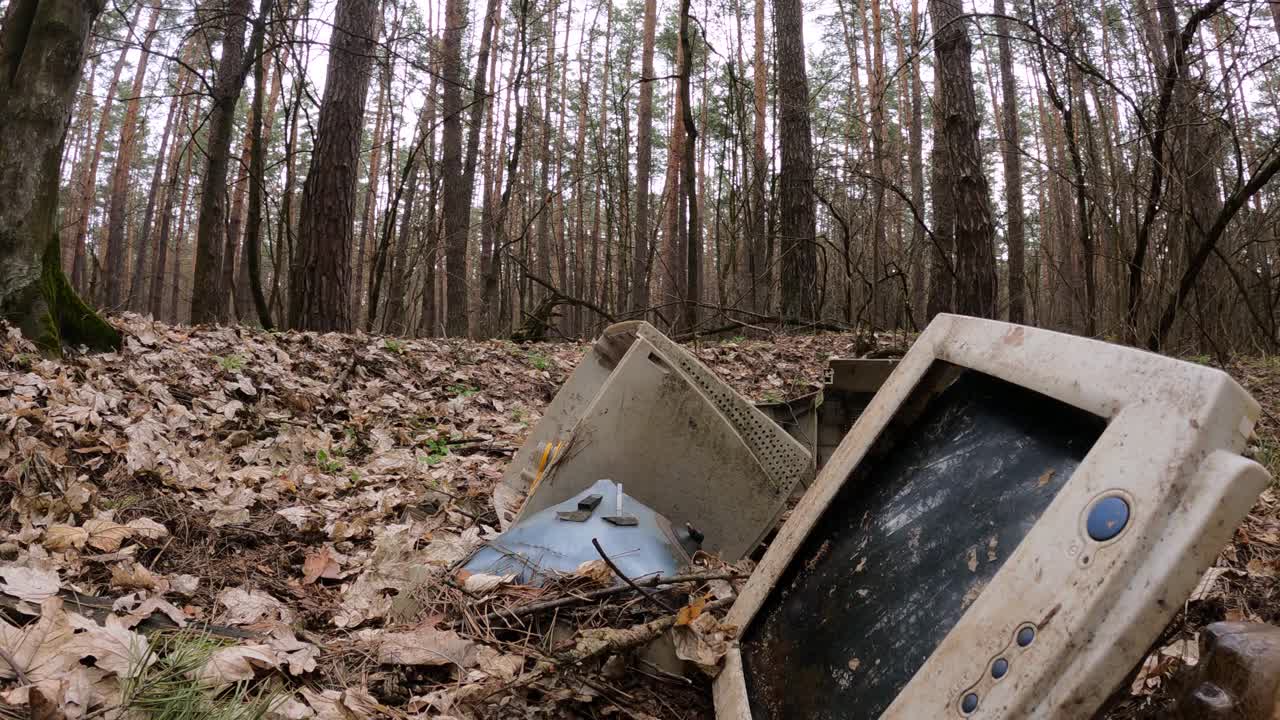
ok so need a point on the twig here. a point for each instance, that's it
(656, 581)
(594, 643)
(651, 598)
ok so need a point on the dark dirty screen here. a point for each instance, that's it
(906, 546)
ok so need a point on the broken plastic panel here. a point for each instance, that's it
(643, 411)
(557, 540)
(1009, 525)
(820, 420)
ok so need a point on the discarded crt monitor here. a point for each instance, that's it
(641, 410)
(557, 540)
(1008, 527)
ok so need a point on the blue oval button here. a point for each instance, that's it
(1026, 636)
(1107, 518)
(999, 668)
(969, 703)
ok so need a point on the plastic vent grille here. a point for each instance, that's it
(784, 460)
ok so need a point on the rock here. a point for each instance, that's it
(1238, 676)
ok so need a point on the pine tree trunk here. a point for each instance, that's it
(245, 302)
(644, 163)
(942, 279)
(180, 236)
(796, 221)
(260, 114)
(207, 297)
(180, 150)
(479, 100)
(381, 138)
(1014, 234)
(117, 209)
(84, 122)
(319, 283)
(395, 323)
(919, 236)
(757, 255)
(455, 208)
(89, 182)
(673, 282)
(488, 192)
(879, 160)
(42, 49)
(974, 230)
(693, 231)
(140, 282)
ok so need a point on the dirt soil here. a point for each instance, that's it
(305, 497)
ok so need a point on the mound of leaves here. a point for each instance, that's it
(291, 506)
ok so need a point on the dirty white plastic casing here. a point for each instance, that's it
(643, 411)
(1170, 449)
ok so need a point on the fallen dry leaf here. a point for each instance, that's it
(237, 663)
(147, 529)
(424, 646)
(481, 583)
(320, 564)
(134, 576)
(703, 642)
(249, 606)
(692, 611)
(28, 583)
(65, 537)
(106, 535)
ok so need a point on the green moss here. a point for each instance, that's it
(60, 318)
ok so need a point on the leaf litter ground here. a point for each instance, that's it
(302, 498)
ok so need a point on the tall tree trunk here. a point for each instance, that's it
(117, 209)
(395, 322)
(180, 236)
(479, 100)
(942, 277)
(84, 122)
(140, 282)
(381, 137)
(974, 231)
(243, 294)
(42, 49)
(495, 305)
(673, 281)
(89, 182)
(455, 201)
(488, 189)
(368, 222)
(207, 299)
(542, 205)
(693, 234)
(319, 282)
(757, 255)
(257, 169)
(880, 165)
(155, 296)
(1014, 234)
(796, 221)
(919, 235)
(644, 162)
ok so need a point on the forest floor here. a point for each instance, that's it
(304, 497)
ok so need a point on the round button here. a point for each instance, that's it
(1026, 636)
(969, 703)
(1107, 518)
(999, 668)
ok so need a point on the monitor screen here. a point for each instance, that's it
(947, 493)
